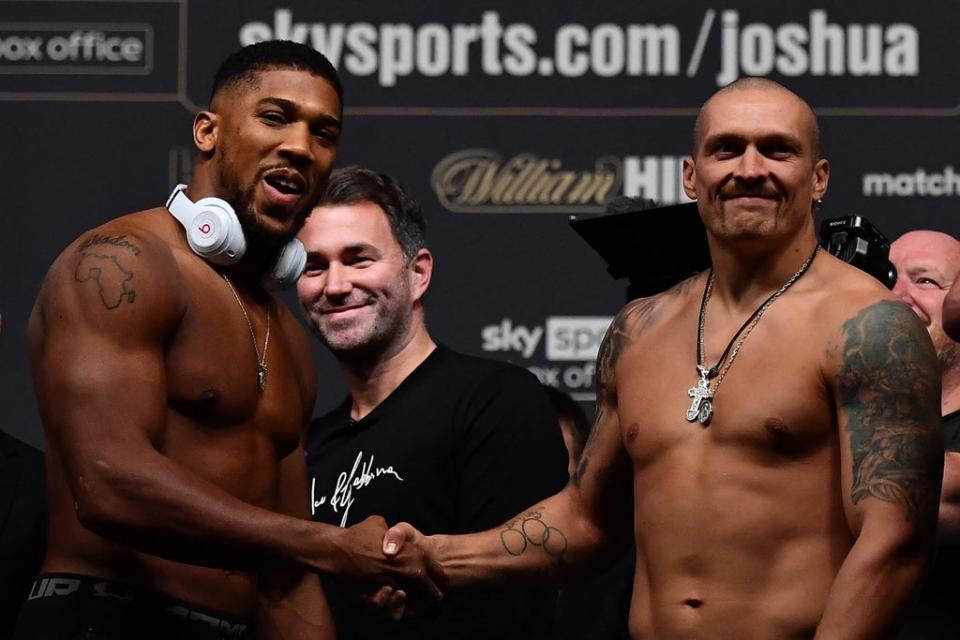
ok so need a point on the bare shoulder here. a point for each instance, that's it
(123, 272)
(844, 291)
(640, 316)
(872, 336)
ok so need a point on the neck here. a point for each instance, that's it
(257, 259)
(370, 382)
(950, 393)
(742, 279)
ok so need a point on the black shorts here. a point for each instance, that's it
(64, 606)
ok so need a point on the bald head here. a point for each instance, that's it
(760, 84)
(927, 264)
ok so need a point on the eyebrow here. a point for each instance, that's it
(351, 249)
(292, 107)
(731, 136)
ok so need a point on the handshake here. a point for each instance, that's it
(393, 569)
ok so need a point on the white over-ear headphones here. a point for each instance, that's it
(214, 233)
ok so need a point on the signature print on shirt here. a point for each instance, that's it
(360, 476)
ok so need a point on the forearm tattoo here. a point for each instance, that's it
(530, 530)
(889, 383)
(105, 267)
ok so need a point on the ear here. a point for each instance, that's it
(206, 126)
(421, 269)
(821, 176)
(689, 177)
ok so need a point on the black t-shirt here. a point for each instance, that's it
(462, 445)
(936, 613)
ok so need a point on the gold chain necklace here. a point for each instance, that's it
(701, 407)
(261, 357)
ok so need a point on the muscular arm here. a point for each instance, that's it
(589, 519)
(97, 340)
(888, 396)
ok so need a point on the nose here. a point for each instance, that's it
(297, 144)
(901, 290)
(751, 166)
(338, 284)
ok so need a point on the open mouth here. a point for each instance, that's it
(286, 182)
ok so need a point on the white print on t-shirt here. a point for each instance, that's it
(342, 496)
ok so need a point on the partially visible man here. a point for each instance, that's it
(797, 500)
(174, 390)
(23, 523)
(450, 442)
(928, 263)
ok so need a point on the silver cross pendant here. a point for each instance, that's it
(701, 407)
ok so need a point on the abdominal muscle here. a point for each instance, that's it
(732, 549)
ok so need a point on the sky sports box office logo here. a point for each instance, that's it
(39, 48)
(570, 347)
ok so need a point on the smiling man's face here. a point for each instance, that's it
(755, 173)
(357, 290)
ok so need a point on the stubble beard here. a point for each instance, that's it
(263, 239)
(376, 340)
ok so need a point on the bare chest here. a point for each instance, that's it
(225, 371)
(771, 404)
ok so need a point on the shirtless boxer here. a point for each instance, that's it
(174, 391)
(805, 504)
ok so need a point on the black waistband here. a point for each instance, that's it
(59, 585)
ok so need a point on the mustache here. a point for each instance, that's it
(741, 192)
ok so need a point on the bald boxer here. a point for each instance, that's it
(928, 263)
(769, 430)
(174, 390)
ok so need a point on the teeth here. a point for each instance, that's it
(286, 183)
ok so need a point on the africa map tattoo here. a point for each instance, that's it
(528, 530)
(888, 388)
(113, 281)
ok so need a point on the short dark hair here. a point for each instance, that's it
(570, 413)
(242, 67)
(353, 185)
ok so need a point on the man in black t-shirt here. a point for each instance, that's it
(927, 264)
(451, 443)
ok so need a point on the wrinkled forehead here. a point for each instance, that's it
(758, 111)
(927, 249)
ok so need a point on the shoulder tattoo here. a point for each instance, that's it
(107, 262)
(889, 385)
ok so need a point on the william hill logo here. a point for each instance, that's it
(483, 181)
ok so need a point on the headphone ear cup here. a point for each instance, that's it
(288, 267)
(215, 232)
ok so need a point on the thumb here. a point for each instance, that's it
(396, 536)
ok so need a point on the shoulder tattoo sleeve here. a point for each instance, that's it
(889, 386)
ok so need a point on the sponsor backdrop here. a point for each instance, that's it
(504, 118)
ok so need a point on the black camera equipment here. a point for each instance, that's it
(855, 240)
(659, 247)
